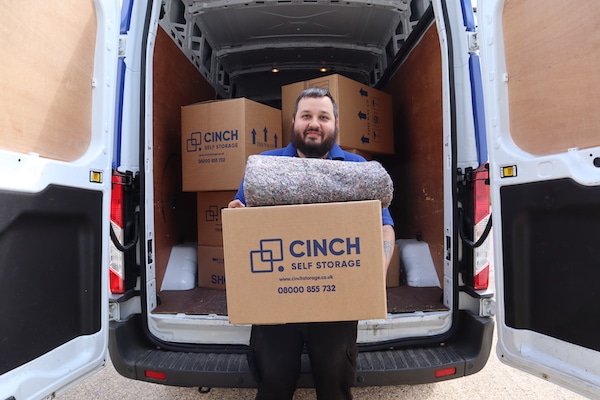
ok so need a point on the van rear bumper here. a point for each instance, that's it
(467, 351)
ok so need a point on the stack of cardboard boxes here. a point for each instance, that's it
(365, 123)
(365, 114)
(217, 138)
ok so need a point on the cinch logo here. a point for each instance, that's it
(212, 214)
(324, 247)
(194, 142)
(270, 252)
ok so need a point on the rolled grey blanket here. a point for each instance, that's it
(277, 180)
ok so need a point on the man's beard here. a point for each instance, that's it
(311, 149)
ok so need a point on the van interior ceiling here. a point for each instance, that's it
(219, 50)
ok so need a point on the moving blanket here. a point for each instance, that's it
(278, 180)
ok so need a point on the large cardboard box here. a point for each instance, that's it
(211, 270)
(210, 227)
(218, 136)
(366, 115)
(304, 263)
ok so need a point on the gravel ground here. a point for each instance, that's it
(495, 381)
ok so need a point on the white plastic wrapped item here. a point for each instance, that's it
(415, 258)
(181, 268)
(277, 180)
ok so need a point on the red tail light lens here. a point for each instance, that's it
(117, 269)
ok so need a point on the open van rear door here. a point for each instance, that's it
(540, 73)
(57, 89)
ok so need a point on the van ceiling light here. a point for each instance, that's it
(323, 69)
(274, 70)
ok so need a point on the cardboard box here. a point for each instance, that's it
(211, 270)
(210, 228)
(366, 115)
(218, 136)
(304, 263)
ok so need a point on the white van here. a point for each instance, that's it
(495, 107)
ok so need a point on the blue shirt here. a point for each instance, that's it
(336, 153)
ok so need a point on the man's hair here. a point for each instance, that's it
(316, 92)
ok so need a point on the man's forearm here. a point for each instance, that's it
(389, 239)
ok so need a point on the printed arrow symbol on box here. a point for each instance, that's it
(364, 139)
(265, 132)
(275, 138)
(253, 136)
(363, 92)
(362, 115)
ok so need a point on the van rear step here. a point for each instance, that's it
(464, 350)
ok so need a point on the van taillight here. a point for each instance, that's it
(481, 193)
(117, 267)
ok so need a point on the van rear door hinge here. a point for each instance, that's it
(472, 41)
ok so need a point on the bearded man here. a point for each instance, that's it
(275, 350)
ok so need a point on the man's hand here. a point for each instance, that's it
(236, 204)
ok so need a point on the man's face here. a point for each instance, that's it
(314, 128)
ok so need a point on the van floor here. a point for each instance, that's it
(210, 301)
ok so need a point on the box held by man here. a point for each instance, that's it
(304, 263)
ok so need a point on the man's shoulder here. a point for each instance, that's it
(337, 153)
(353, 157)
(288, 151)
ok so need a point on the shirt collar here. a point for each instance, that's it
(336, 152)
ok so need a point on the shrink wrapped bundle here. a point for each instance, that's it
(278, 180)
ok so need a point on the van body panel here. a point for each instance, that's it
(55, 155)
(545, 176)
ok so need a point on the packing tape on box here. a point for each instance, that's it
(278, 180)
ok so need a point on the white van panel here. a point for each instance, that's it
(56, 154)
(542, 148)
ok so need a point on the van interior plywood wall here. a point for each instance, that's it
(553, 80)
(174, 210)
(417, 169)
(46, 105)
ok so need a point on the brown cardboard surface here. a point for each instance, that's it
(211, 271)
(210, 228)
(304, 263)
(218, 136)
(366, 119)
